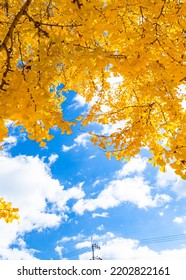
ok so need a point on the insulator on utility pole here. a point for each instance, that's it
(93, 247)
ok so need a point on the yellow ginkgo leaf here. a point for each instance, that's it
(42, 144)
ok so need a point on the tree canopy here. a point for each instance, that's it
(81, 44)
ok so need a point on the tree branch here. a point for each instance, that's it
(78, 3)
(13, 24)
(36, 24)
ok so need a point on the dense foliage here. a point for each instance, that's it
(81, 44)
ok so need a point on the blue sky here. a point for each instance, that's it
(69, 193)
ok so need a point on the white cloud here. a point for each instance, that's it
(65, 239)
(135, 165)
(115, 81)
(91, 157)
(104, 108)
(16, 254)
(182, 92)
(84, 244)
(77, 237)
(180, 220)
(161, 199)
(67, 148)
(79, 100)
(119, 248)
(81, 184)
(59, 249)
(9, 123)
(184, 104)
(27, 182)
(174, 254)
(101, 215)
(95, 238)
(161, 214)
(8, 142)
(102, 238)
(132, 190)
(165, 179)
(100, 228)
(52, 158)
(111, 128)
(81, 140)
(21, 243)
(173, 181)
(96, 183)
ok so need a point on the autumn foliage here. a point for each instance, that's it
(7, 212)
(81, 44)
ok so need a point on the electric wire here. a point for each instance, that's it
(75, 252)
(145, 241)
(166, 238)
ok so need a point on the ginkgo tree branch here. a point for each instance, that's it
(7, 68)
(161, 11)
(37, 24)
(13, 24)
(6, 7)
(71, 25)
(78, 3)
(48, 8)
(8, 37)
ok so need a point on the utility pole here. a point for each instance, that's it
(93, 247)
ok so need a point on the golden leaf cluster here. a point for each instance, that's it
(7, 212)
(81, 44)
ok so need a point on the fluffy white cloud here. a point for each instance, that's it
(133, 190)
(96, 183)
(118, 248)
(71, 238)
(17, 254)
(180, 220)
(91, 157)
(135, 165)
(95, 238)
(173, 181)
(115, 81)
(100, 228)
(52, 158)
(67, 148)
(27, 182)
(8, 142)
(111, 128)
(59, 250)
(102, 215)
(81, 140)
(165, 179)
(184, 104)
(84, 244)
(79, 101)
(161, 213)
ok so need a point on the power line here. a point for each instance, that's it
(166, 238)
(144, 241)
(76, 252)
